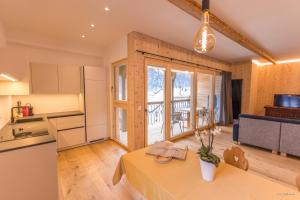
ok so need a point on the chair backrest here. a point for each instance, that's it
(177, 116)
(236, 157)
(298, 182)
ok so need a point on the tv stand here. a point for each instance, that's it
(282, 112)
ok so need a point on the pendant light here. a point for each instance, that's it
(205, 39)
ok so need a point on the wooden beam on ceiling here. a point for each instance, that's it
(195, 9)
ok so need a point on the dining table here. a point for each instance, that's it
(182, 180)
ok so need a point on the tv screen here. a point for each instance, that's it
(287, 100)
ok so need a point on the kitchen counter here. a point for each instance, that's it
(64, 114)
(8, 142)
(26, 142)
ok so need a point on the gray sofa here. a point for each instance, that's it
(290, 138)
(276, 134)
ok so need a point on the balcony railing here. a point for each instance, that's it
(156, 109)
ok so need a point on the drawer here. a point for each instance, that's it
(96, 132)
(70, 137)
(70, 122)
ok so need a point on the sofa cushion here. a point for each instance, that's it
(290, 139)
(259, 132)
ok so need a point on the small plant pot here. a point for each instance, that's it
(208, 170)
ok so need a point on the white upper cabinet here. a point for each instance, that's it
(69, 79)
(44, 78)
(55, 79)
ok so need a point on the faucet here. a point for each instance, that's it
(12, 118)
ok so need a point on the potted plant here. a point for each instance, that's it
(208, 161)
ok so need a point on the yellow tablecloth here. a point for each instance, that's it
(181, 180)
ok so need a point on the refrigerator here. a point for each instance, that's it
(95, 103)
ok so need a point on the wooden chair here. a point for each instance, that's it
(236, 157)
(298, 182)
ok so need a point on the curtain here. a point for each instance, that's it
(226, 117)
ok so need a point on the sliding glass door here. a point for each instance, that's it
(204, 97)
(156, 126)
(176, 98)
(181, 116)
(217, 102)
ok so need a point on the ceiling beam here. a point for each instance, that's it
(195, 9)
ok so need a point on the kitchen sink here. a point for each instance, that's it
(25, 134)
(21, 134)
(31, 119)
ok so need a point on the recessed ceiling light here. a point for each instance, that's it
(83, 36)
(106, 8)
(93, 25)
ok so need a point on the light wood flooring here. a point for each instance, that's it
(85, 173)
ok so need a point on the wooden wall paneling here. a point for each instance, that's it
(276, 79)
(139, 101)
(243, 71)
(260, 83)
(136, 97)
(132, 64)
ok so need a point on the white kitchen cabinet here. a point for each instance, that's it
(96, 132)
(44, 78)
(69, 131)
(70, 122)
(29, 173)
(70, 137)
(69, 79)
(55, 79)
(95, 103)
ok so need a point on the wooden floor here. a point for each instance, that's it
(85, 173)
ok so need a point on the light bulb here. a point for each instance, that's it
(205, 39)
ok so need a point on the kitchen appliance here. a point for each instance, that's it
(25, 111)
(95, 103)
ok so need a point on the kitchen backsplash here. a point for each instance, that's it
(50, 103)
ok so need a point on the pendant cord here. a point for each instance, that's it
(205, 5)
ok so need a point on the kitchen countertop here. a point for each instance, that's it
(63, 114)
(9, 143)
(26, 142)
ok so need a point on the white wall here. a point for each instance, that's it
(115, 52)
(15, 59)
(5, 105)
(2, 37)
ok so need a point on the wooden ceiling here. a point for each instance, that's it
(195, 9)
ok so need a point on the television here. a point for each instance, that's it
(287, 100)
